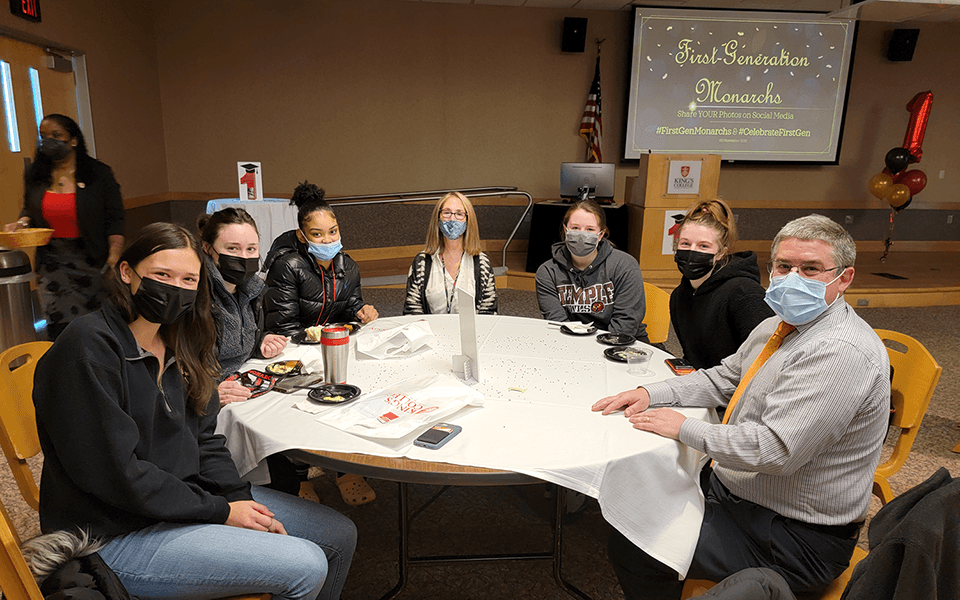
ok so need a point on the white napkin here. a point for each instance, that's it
(577, 327)
(396, 342)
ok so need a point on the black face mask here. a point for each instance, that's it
(55, 150)
(162, 303)
(236, 269)
(692, 264)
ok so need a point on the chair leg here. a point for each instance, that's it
(882, 490)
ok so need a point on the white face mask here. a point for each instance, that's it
(798, 300)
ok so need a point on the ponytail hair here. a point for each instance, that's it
(716, 215)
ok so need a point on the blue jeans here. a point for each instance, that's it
(215, 561)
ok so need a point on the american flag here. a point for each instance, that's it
(590, 125)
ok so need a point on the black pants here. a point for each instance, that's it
(737, 534)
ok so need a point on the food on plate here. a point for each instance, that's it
(313, 333)
(284, 367)
(333, 398)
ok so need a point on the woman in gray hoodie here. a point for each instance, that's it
(590, 281)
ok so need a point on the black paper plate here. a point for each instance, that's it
(616, 339)
(569, 331)
(619, 354)
(301, 337)
(334, 393)
(285, 367)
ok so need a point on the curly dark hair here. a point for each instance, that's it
(40, 170)
(308, 198)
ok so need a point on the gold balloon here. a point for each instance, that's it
(880, 184)
(898, 195)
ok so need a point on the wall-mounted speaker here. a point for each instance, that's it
(574, 34)
(902, 44)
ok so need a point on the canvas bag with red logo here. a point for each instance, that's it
(403, 407)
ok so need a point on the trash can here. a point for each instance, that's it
(16, 299)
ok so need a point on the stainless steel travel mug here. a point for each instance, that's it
(335, 343)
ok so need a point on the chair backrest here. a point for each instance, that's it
(915, 377)
(657, 318)
(18, 422)
(16, 581)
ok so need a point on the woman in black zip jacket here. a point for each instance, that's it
(126, 414)
(310, 280)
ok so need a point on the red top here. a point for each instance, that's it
(60, 212)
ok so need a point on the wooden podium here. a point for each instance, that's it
(649, 200)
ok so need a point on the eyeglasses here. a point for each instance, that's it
(809, 270)
(450, 214)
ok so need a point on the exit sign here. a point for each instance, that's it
(26, 9)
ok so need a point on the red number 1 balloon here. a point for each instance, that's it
(919, 109)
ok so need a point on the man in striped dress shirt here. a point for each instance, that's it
(793, 470)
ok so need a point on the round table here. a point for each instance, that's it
(538, 385)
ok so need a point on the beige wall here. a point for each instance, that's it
(376, 96)
(368, 96)
(118, 40)
(876, 121)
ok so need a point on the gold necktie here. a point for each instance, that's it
(783, 330)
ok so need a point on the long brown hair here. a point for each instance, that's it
(716, 215)
(471, 238)
(193, 337)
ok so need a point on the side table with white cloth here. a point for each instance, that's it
(538, 385)
(272, 215)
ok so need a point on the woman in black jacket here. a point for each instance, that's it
(719, 300)
(77, 196)
(310, 280)
(127, 415)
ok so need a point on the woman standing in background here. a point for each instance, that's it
(77, 196)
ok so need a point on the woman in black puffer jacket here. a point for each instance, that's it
(310, 280)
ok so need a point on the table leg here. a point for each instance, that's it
(558, 548)
(404, 560)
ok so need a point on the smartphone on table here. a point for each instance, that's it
(437, 436)
(679, 366)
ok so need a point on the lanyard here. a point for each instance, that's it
(453, 290)
(323, 287)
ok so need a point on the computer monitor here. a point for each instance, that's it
(587, 180)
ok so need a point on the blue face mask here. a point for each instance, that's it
(452, 229)
(798, 300)
(324, 251)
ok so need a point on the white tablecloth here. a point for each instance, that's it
(273, 216)
(538, 386)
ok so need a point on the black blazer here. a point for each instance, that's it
(99, 206)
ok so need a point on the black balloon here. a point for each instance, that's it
(897, 159)
(902, 206)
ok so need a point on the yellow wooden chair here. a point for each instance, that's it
(697, 587)
(18, 422)
(657, 318)
(16, 581)
(915, 376)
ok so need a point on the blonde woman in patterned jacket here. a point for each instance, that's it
(451, 259)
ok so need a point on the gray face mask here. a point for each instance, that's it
(581, 243)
